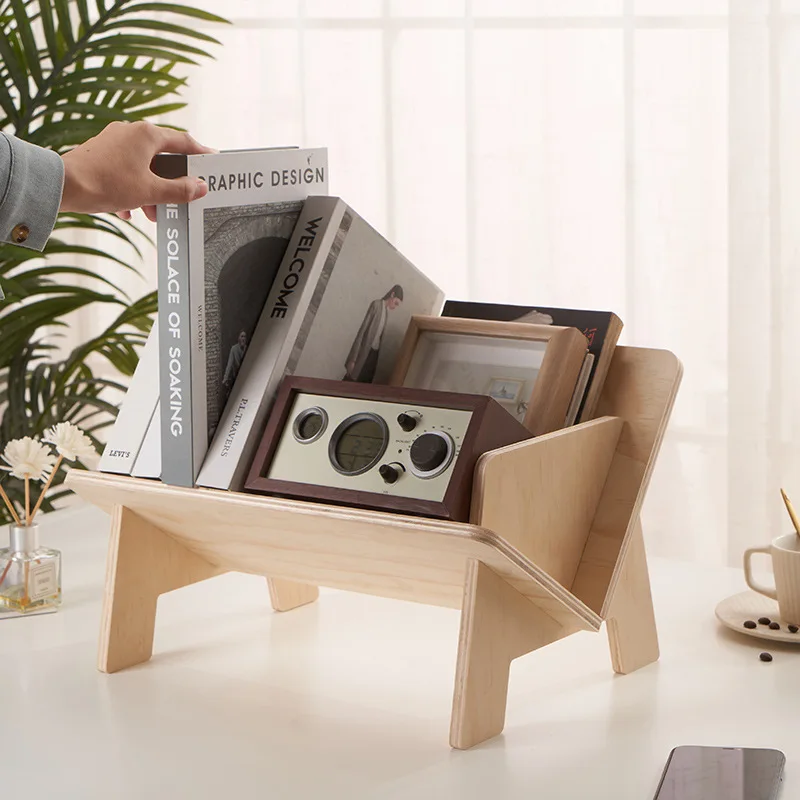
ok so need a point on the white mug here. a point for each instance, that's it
(785, 552)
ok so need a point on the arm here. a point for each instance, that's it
(31, 182)
(109, 172)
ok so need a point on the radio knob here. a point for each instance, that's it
(407, 422)
(390, 472)
(429, 451)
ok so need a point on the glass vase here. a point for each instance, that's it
(30, 575)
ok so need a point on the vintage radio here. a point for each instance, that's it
(388, 448)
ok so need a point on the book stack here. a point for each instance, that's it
(266, 276)
(269, 276)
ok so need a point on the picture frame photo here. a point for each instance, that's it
(505, 390)
(532, 370)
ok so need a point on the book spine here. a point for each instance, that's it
(130, 428)
(580, 390)
(174, 311)
(196, 282)
(148, 462)
(236, 438)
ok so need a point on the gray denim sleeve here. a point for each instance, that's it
(31, 182)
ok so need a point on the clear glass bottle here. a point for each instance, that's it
(30, 575)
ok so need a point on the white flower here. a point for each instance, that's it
(28, 459)
(70, 441)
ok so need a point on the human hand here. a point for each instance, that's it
(111, 171)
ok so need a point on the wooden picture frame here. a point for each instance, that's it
(547, 356)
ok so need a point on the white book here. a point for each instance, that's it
(136, 410)
(189, 294)
(339, 308)
(148, 462)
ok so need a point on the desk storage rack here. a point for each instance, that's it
(554, 546)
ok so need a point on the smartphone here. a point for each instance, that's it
(721, 773)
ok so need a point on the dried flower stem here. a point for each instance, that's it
(9, 506)
(5, 571)
(46, 486)
(27, 501)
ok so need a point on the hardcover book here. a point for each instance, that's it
(580, 390)
(198, 291)
(338, 309)
(136, 410)
(601, 329)
(148, 462)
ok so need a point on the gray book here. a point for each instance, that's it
(174, 312)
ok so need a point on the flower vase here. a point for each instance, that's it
(30, 575)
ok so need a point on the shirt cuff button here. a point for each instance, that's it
(20, 233)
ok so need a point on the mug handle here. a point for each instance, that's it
(748, 575)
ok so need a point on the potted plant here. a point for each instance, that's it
(67, 69)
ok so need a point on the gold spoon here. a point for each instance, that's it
(790, 509)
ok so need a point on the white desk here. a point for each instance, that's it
(350, 697)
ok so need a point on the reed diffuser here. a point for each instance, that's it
(30, 575)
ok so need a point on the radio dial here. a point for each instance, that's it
(391, 472)
(407, 421)
(430, 451)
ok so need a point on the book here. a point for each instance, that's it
(141, 398)
(602, 330)
(338, 309)
(580, 390)
(198, 292)
(148, 462)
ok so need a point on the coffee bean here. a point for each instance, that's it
(764, 620)
(774, 626)
(750, 624)
(765, 657)
(793, 629)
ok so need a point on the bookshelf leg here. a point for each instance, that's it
(631, 623)
(286, 595)
(498, 625)
(143, 562)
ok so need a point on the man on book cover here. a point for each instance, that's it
(363, 356)
(235, 357)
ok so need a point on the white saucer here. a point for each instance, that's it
(733, 611)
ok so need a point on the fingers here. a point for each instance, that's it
(178, 190)
(170, 141)
(149, 212)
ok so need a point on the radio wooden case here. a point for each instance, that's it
(385, 448)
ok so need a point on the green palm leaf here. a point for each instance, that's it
(67, 68)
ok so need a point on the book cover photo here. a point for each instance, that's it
(357, 317)
(244, 247)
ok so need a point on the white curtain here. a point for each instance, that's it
(633, 155)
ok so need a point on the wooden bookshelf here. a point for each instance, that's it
(554, 546)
